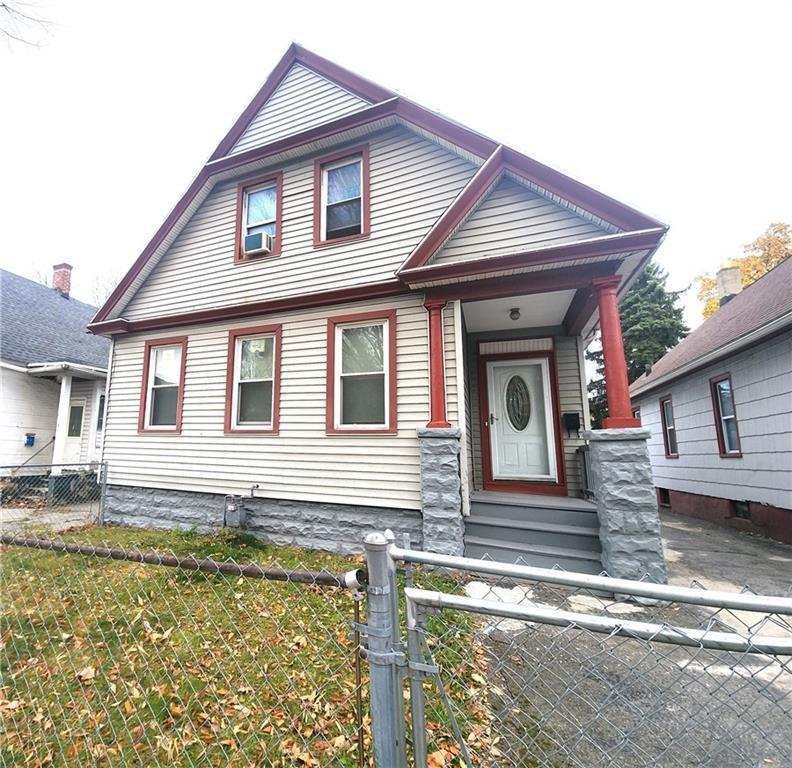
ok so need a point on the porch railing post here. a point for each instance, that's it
(382, 656)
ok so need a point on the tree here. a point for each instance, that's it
(652, 323)
(764, 253)
(20, 23)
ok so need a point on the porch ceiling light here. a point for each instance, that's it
(514, 313)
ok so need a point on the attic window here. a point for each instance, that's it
(341, 196)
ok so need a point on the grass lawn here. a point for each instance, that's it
(115, 663)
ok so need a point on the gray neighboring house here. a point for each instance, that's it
(719, 407)
(52, 373)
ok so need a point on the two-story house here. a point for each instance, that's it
(360, 315)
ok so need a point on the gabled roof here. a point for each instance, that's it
(385, 105)
(39, 325)
(758, 311)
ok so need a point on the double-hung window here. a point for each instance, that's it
(253, 381)
(342, 204)
(725, 416)
(669, 427)
(163, 385)
(258, 213)
(361, 374)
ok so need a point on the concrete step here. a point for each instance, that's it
(534, 532)
(539, 556)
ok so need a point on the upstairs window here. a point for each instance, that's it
(259, 216)
(341, 196)
(361, 374)
(669, 427)
(253, 379)
(163, 385)
(725, 417)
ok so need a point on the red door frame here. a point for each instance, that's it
(558, 488)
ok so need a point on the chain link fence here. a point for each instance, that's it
(569, 670)
(120, 656)
(56, 496)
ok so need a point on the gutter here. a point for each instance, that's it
(52, 369)
(759, 334)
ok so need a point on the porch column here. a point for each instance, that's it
(437, 393)
(616, 382)
(62, 422)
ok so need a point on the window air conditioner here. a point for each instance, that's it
(256, 244)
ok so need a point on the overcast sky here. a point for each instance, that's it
(681, 109)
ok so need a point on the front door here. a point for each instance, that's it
(521, 421)
(72, 453)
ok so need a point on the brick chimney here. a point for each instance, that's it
(729, 283)
(61, 278)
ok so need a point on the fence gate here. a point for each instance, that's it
(510, 665)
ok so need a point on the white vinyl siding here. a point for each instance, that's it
(412, 182)
(29, 405)
(569, 377)
(762, 388)
(303, 100)
(513, 218)
(302, 462)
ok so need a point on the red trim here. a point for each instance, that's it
(716, 411)
(239, 311)
(296, 54)
(668, 453)
(332, 322)
(437, 392)
(617, 387)
(558, 488)
(365, 206)
(233, 335)
(242, 187)
(603, 246)
(151, 344)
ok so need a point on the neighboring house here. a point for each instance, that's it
(52, 374)
(719, 406)
(364, 315)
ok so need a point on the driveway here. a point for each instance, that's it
(18, 519)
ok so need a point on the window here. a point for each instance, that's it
(361, 381)
(100, 413)
(163, 385)
(341, 196)
(75, 421)
(253, 379)
(669, 427)
(259, 211)
(725, 417)
(664, 495)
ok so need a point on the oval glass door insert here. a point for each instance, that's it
(518, 403)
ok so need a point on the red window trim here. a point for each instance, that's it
(242, 187)
(332, 323)
(724, 454)
(363, 151)
(545, 487)
(668, 453)
(151, 344)
(233, 335)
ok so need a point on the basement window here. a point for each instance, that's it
(664, 496)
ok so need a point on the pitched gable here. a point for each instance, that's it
(512, 218)
(302, 100)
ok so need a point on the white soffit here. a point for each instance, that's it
(537, 310)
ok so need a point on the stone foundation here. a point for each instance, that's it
(626, 504)
(337, 528)
(441, 491)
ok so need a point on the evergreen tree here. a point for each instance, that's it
(652, 323)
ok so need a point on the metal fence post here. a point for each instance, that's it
(417, 709)
(381, 656)
(102, 491)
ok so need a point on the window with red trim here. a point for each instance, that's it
(725, 414)
(259, 214)
(341, 196)
(669, 427)
(361, 373)
(162, 386)
(253, 379)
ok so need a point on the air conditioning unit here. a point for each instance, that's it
(259, 243)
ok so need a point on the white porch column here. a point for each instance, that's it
(62, 423)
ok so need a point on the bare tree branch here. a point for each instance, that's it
(20, 23)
